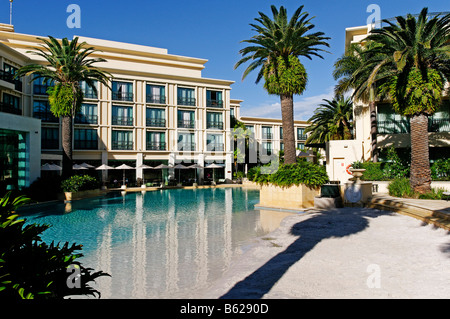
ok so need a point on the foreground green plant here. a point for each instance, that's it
(32, 269)
(287, 175)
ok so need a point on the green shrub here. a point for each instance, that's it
(78, 183)
(436, 193)
(400, 187)
(374, 172)
(31, 269)
(395, 167)
(440, 170)
(306, 173)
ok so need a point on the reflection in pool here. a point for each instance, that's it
(158, 244)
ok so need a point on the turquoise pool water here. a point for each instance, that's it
(157, 244)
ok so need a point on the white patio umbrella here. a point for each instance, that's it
(78, 167)
(104, 167)
(124, 167)
(50, 167)
(180, 166)
(87, 165)
(214, 166)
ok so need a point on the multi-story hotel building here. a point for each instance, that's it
(158, 110)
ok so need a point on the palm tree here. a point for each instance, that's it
(275, 50)
(68, 64)
(332, 120)
(415, 65)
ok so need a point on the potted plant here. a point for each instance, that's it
(357, 170)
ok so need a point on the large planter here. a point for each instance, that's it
(293, 197)
(70, 196)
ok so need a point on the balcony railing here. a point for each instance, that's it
(122, 120)
(214, 103)
(85, 144)
(186, 124)
(156, 122)
(190, 101)
(158, 99)
(302, 137)
(8, 77)
(50, 144)
(7, 108)
(215, 147)
(90, 95)
(86, 119)
(122, 96)
(45, 117)
(393, 127)
(156, 146)
(214, 125)
(439, 125)
(267, 136)
(119, 145)
(186, 146)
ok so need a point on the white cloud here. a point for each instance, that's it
(303, 107)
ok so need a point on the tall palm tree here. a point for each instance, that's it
(332, 120)
(416, 65)
(68, 63)
(275, 51)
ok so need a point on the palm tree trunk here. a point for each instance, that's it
(287, 116)
(373, 130)
(67, 146)
(420, 159)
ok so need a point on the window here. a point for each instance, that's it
(281, 146)
(122, 91)
(186, 119)
(267, 132)
(214, 120)
(11, 104)
(156, 94)
(301, 133)
(8, 75)
(281, 132)
(300, 146)
(214, 142)
(50, 138)
(88, 91)
(85, 139)
(122, 140)
(40, 86)
(156, 117)
(186, 96)
(122, 115)
(250, 129)
(440, 120)
(156, 141)
(41, 110)
(389, 122)
(87, 114)
(267, 148)
(186, 142)
(214, 98)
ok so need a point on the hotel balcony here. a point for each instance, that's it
(302, 137)
(215, 147)
(85, 144)
(189, 101)
(267, 136)
(156, 122)
(122, 96)
(186, 124)
(186, 146)
(86, 119)
(156, 99)
(122, 120)
(214, 103)
(9, 109)
(403, 126)
(8, 77)
(47, 117)
(119, 145)
(214, 125)
(50, 144)
(156, 146)
(40, 89)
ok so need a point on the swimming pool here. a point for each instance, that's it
(157, 244)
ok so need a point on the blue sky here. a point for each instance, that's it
(211, 29)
